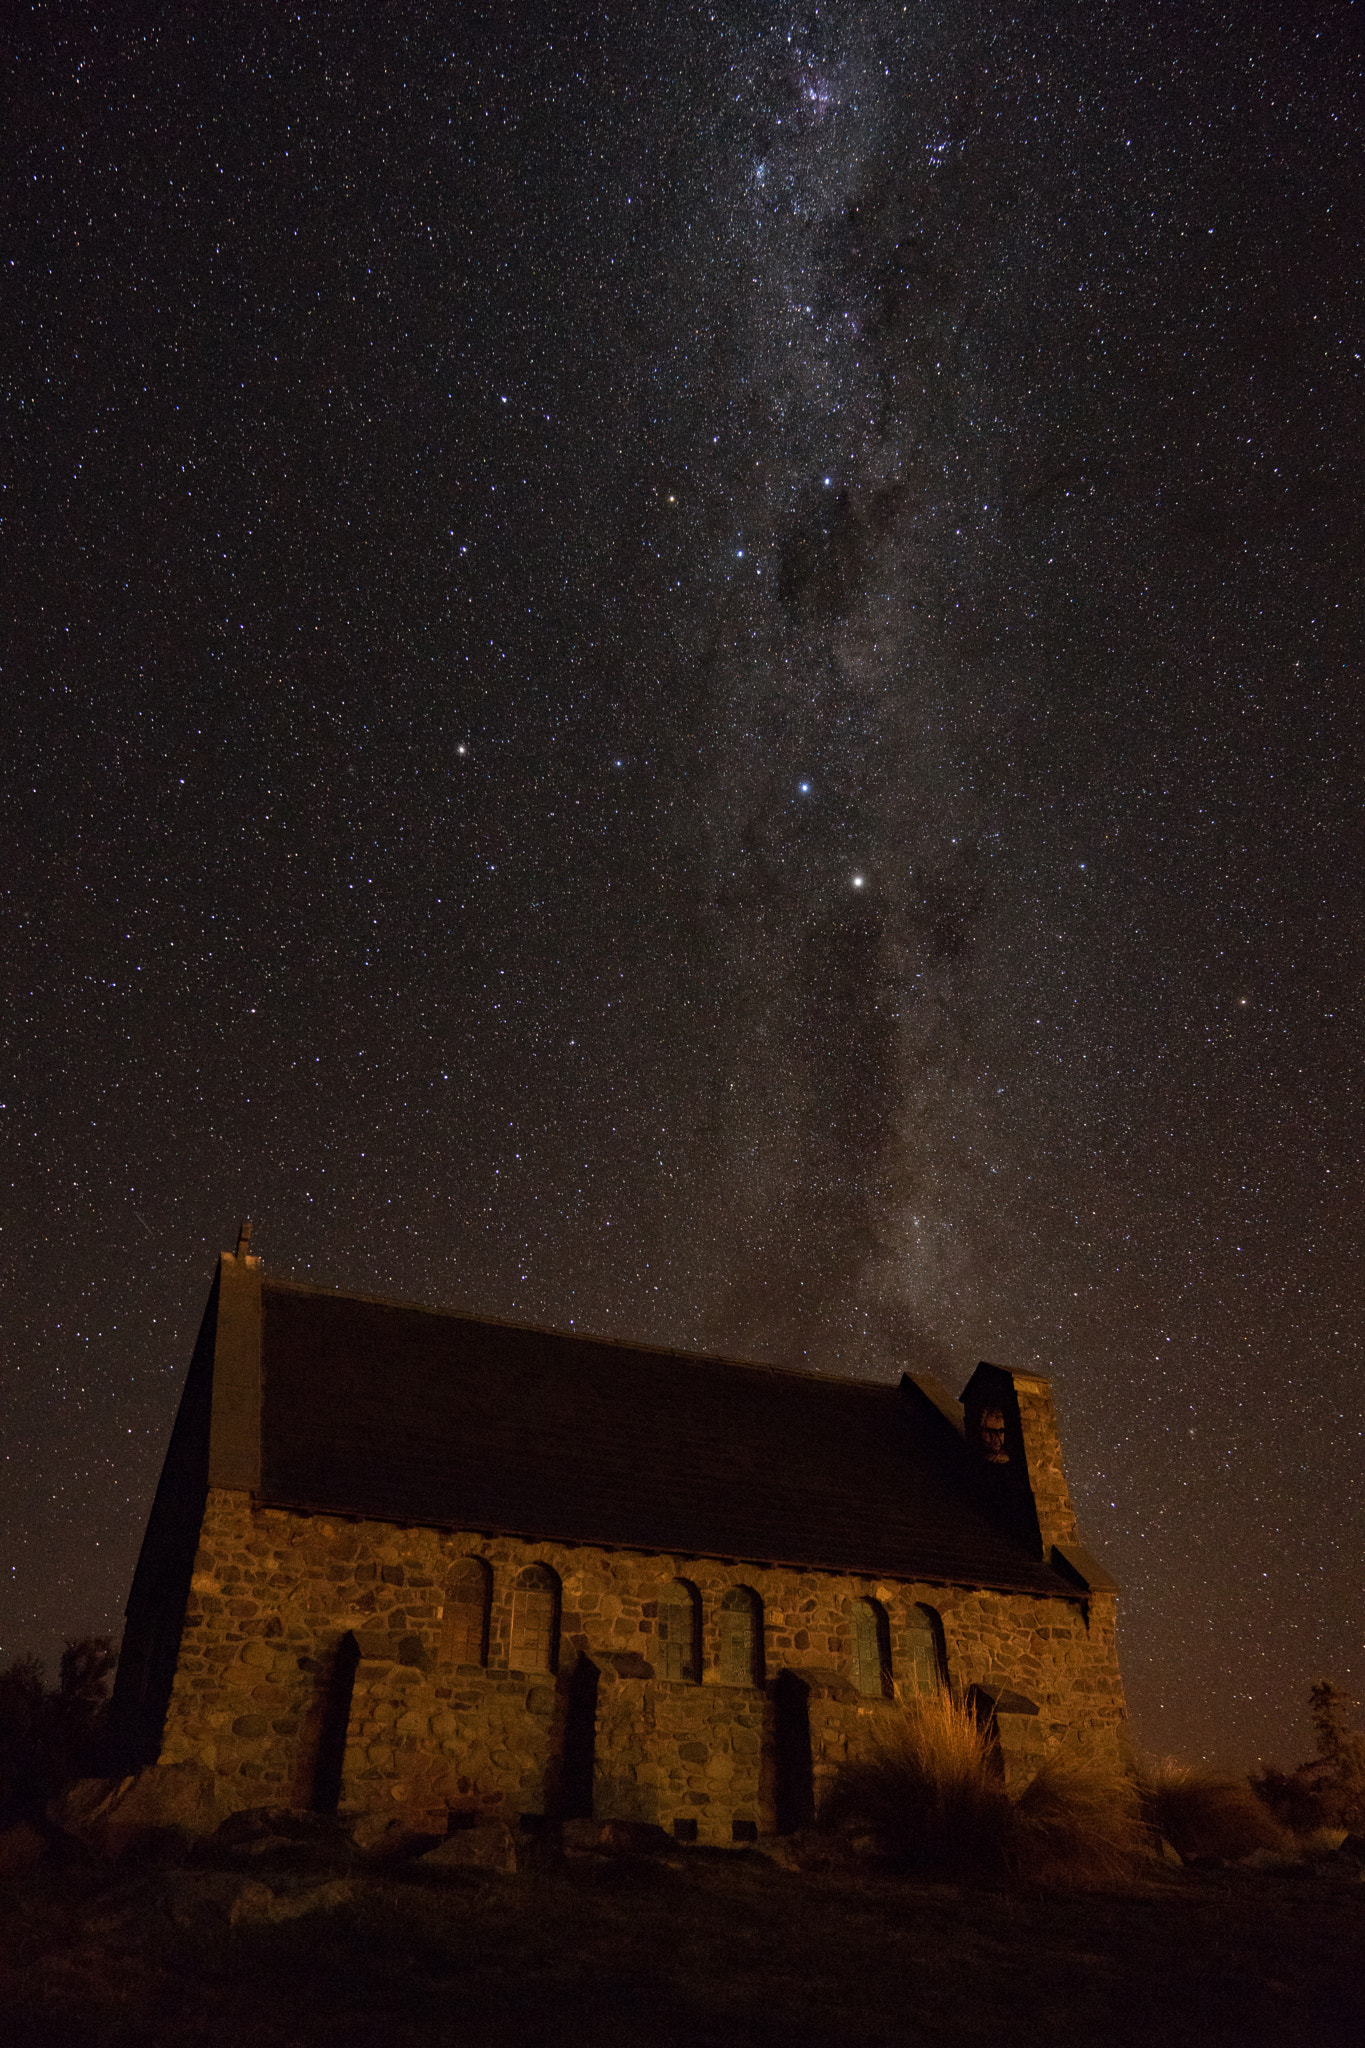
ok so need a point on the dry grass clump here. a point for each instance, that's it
(933, 1796)
(1208, 1818)
(1078, 1823)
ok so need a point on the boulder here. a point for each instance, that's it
(383, 1836)
(828, 1849)
(613, 1838)
(279, 1834)
(191, 1897)
(257, 1905)
(163, 1803)
(257, 1823)
(22, 1849)
(783, 1851)
(489, 1847)
(1270, 1859)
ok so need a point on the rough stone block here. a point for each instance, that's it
(257, 1904)
(487, 1847)
(111, 1815)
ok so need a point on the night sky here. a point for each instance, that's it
(695, 672)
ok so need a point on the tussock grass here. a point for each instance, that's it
(1206, 1816)
(930, 1794)
(1078, 1823)
(933, 1796)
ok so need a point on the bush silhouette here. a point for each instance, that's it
(49, 1735)
(1329, 1790)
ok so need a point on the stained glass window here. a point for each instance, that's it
(924, 1651)
(679, 1614)
(741, 1637)
(535, 1620)
(464, 1629)
(871, 1649)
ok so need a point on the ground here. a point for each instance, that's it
(698, 1949)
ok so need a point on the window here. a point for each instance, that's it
(535, 1620)
(741, 1637)
(464, 1632)
(924, 1655)
(871, 1649)
(679, 1632)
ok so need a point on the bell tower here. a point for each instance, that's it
(1012, 1436)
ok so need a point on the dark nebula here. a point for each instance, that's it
(696, 672)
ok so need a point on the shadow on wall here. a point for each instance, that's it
(570, 1798)
(322, 1745)
(791, 1795)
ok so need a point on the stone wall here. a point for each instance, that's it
(1043, 1452)
(275, 1592)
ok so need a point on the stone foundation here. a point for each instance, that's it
(274, 1593)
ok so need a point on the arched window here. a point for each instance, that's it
(871, 1649)
(741, 1637)
(679, 1632)
(464, 1630)
(926, 1664)
(535, 1620)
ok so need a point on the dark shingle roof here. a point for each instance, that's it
(401, 1414)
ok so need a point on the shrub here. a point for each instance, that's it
(1329, 1791)
(48, 1735)
(1304, 1801)
(1207, 1817)
(933, 1796)
(1078, 1823)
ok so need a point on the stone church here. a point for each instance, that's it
(417, 1563)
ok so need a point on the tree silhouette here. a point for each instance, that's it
(48, 1735)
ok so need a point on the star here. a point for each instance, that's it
(258, 453)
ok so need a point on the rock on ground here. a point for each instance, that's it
(22, 1849)
(111, 1815)
(257, 1905)
(613, 1838)
(490, 1847)
(380, 1836)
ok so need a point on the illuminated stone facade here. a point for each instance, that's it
(306, 1657)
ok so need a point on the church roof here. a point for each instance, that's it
(402, 1414)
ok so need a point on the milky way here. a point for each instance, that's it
(697, 675)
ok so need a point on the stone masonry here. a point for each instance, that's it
(299, 1626)
(273, 1593)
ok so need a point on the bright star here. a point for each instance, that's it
(804, 788)
(859, 881)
